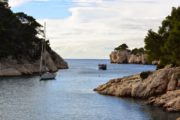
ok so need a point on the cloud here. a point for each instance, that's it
(16, 3)
(95, 27)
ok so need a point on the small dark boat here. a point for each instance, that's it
(102, 67)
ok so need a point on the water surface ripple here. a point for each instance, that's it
(71, 96)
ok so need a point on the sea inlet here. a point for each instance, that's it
(71, 97)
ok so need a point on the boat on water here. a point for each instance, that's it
(102, 67)
(45, 75)
(48, 76)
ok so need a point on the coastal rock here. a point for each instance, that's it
(161, 82)
(119, 56)
(137, 59)
(14, 67)
(60, 62)
(119, 87)
(10, 72)
(125, 56)
(178, 118)
(156, 62)
(170, 101)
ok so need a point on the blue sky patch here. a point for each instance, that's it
(53, 9)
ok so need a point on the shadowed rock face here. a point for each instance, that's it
(159, 88)
(170, 101)
(125, 56)
(13, 67)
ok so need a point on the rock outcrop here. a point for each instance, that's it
(119, 56)
(160, 88)
(13, 67)
(170, 101)
(125, 56)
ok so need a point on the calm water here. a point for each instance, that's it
(71, 96)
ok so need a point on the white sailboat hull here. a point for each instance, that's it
(48, 76)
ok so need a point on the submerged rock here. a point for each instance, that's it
(161, 88)
(14, 67)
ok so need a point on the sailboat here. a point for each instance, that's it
(45, 75)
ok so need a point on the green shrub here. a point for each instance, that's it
(145, 74)
(122, 47)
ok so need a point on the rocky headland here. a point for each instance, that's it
(123, 55)
(22, 44)
(159, 88)
(126, 57)
(10, 66)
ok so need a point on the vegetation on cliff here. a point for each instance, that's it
(164, 44)
(121, 47)
(135, 51)
(138, 51)
(19, 35)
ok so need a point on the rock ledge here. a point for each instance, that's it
(161, 88)
(13, 67)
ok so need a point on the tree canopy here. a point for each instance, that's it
(137, 51)
(164, 45)
(122, 47)
(19, 34)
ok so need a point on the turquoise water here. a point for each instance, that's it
(71, 96)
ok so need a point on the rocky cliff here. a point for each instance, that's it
(161, 88)
(125, 56)
(13, 67)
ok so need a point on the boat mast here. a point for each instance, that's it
(42, 48)
(44, 44)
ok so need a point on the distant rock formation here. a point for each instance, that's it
(125, 56)
(161, 88)
(13, 67)
(119, 56)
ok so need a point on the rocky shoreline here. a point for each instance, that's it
(160, 88)
(13, 67)
(125, 56)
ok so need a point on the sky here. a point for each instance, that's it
(91, 29)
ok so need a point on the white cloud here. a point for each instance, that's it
(15, 3)
(95, 27)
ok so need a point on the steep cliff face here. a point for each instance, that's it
(119, 56)
(13, 67)
(125, 56)
(160, 88)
